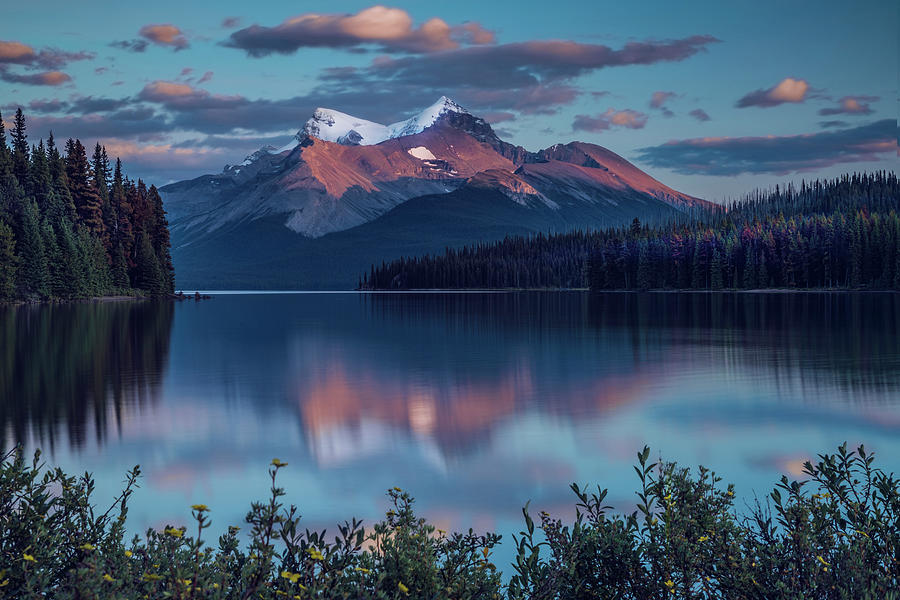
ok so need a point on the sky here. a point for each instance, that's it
(712, 98)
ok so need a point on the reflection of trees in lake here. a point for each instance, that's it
(63, 366)
(807, 342)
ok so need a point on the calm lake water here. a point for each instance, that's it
(476, 403)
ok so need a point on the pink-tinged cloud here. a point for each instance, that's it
(700, 115)
(164, 34)
(45, 78)
(390, 29)
(851, 105)
(205, 77)
(788, 90)
(659, 99)
(230, 22)
(16, 52)
(627, 118)
(164, 91)
(775, 154)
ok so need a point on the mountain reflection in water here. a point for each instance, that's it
(475, 402)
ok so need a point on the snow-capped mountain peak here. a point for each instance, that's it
(334, 126)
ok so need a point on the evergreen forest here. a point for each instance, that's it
(76, 227)
(838, 234)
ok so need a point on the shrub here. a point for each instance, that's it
(835, 535)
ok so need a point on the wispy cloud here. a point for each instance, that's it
(164, 34)
(774, 154)
(788, 90)
(700, 115)
(630, 119)
(851, 105)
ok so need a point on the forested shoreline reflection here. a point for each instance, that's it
(352, 371)
(69, 366)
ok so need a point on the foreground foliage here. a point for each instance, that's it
(835, 535)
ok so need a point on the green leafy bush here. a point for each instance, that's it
(834, 535)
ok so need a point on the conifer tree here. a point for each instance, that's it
(20, 148)
(8, 262)
(32, 260)
(84, 193)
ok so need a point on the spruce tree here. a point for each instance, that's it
(20, 148)
(84, 193)
(33, 262)
(8, 262)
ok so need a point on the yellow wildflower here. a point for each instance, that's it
(315, 554)
(151, 577)
(108, 577)
(670, 585)
(200, 507)
(403, 588)
(177, 533)
(185, 581)
(362, 570)
(29, 557)
(278, 463)
(823, 561)
(129, 554)
(4, 583)
(703, 538)
(292, 577)
(396, 489)
(87, 547)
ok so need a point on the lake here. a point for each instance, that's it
(474, 402)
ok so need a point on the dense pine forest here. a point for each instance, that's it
(71, 227)
(842, 233)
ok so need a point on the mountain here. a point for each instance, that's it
(345, 192)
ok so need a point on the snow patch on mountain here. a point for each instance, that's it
(422, 153)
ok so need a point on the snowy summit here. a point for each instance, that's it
(334, 126)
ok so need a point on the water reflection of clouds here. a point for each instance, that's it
(479, 404)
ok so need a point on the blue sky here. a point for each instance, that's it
(746, 93)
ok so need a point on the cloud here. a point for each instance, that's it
(131, 45)
(533, 76)
(205, 77)
(230, 22)
(390, 29)
(700, 115)
(630, 119)
(498, 117)
(832, 124)
(17, 53)
(164, 34)
(44, 78)
(535, 99)
(851, 105)
(142, 123)
(774, 154)
(195, 109)
(787, 90)
(659, 99)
